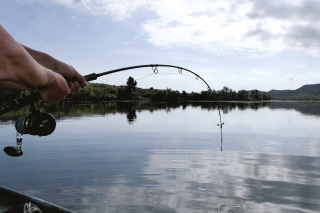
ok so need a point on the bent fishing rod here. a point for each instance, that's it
(43, 123)
(23, 101)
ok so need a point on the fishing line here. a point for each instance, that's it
(218, 208)
(187, 76)
(144, 76)
(171, 73)
(219, 125)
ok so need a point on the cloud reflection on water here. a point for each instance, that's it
(283, 180)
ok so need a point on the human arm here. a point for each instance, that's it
(20, 71)
(76, 80)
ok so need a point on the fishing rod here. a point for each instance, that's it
(43, 123)
(23, 101)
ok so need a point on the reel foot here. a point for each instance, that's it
(12, 151)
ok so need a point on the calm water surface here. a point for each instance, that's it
(139, 157)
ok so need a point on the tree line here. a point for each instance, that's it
(95, 92)
(130, 91)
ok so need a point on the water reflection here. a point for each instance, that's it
(290, 182)
(65, 109)
(307, 108)
(169, 159)
(130, 109)
(278, 179)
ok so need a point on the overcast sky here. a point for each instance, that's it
(242, 44)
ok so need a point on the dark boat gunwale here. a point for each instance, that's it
(20, 199)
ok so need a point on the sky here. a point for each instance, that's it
(241, 44)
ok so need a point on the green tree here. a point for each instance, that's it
(131, 83)
(266, 96)
(255, 95)
(129, 91)
(233, 95)
(184, 95)
(242, 95)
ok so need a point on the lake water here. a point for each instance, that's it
(142, 157)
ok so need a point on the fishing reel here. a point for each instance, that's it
(36, 123)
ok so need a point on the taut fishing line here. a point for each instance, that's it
(169, 73)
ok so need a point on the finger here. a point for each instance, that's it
(71, 86)
(76, 86)
(56, 89)
(83, 82)
(80, 80)
(78, 77)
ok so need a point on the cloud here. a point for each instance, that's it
(254, 27)
(289, 78)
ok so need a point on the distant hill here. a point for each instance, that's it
(306, 92)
